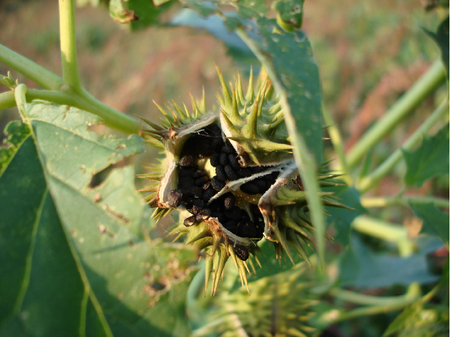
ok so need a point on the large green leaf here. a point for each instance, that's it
(435, 222)
(429, 160)
(73, 256)
(360, 267)
(342, 218)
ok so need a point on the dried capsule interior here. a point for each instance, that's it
(213, 185)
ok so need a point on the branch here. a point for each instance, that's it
(426, 84)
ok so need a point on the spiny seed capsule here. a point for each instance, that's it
(232, 173)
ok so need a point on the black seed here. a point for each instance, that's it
(199, 203)
(186, 172)
(194, 209)
(201, 181)
(193, 192)
(220, 172)
(228, 148)
(188, 222)
(174, 198)
(197, 174)
(223, 218)
(223, 159)
(188, 161)
(245, 217)
(217, 184)
(233, 161)
(250, 188)
(235, 213)
(241, 252)
(203, 215)
(215, 159)
(185, 183)
(230, 172)
(231, 225)
(229, 201)
(244, 172)
(208, 194)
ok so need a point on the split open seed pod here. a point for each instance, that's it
(231, 173)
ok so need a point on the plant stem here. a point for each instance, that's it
(112, 117)
(357, 298)
(380, 229)
(303, 157)
(7, 100)
(412, 295)
(33, 71)
(336, 140)
(426, 84)
(381, 171)
(404, 201)
(69, 61)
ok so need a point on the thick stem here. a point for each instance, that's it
(69, 61)
(28, 68)
(374, 177)
(429, 82)
(403, 201)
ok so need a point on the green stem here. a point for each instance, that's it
(404, 201)
(375, 176)
(69, 61)
(7, 100)
(426, 84)
(362, 299)
(33, 71)
(380, 229)
(112, 117)
(303, 157)
(338, 145)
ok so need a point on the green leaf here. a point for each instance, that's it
(249, 9)
(15, 132)
(146, 11)
(99, 274)
(441, 38)
(292, 58)
(362, 268)
(342, 218)
(435, 222)
(418, 320)
(429, 160)
(290, 11)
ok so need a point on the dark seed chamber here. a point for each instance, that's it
(195, 188)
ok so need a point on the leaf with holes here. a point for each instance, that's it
(73, 258)
(429, 160)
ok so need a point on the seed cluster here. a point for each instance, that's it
(196, 189)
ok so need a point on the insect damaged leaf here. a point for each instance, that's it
(56, 227)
